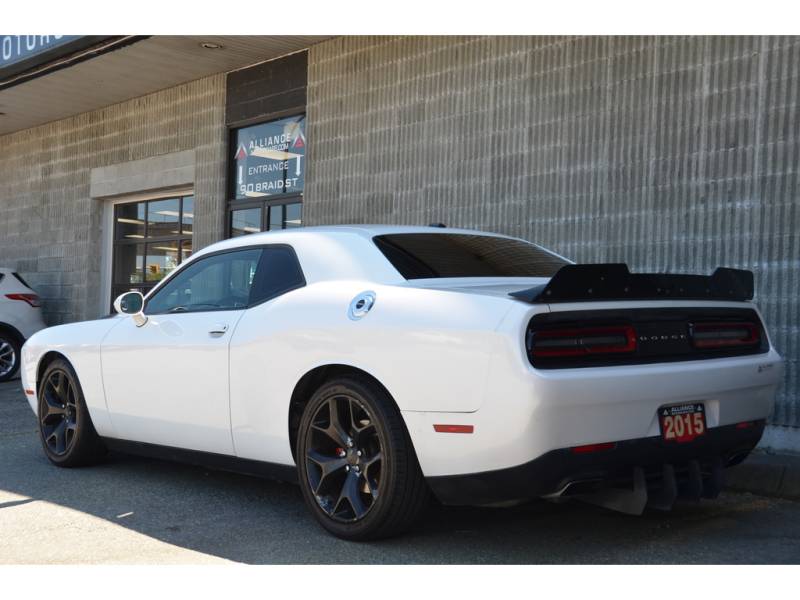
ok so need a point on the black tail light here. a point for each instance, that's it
(724, 335)
(589, 338)
(583, 341)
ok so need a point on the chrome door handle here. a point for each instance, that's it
(219, 329)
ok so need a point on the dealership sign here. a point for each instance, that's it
(18, 48)
(270, 158)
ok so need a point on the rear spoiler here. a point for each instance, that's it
(594, 282)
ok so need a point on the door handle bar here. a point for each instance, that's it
(218, 329)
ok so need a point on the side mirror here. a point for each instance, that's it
(131, 303)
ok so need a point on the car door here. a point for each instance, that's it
(167, 381)
(261, 364)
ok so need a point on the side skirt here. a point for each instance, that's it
(211, 460)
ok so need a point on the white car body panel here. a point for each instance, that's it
(448, 351)
(167, 382)
(79, 343)
(20, 315)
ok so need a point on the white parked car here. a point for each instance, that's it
(376, 364)
(20, 318)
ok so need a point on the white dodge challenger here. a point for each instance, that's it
(376, 365)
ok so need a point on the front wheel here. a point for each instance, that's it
(357, 467)
(65, 427)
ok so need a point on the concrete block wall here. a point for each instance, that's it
(51, 226)
(669, 153)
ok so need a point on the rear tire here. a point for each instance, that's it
(10, 347)
(358, 470)
(65, 428)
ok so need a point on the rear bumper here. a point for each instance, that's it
(562, 472)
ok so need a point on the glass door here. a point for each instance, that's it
(151, 238)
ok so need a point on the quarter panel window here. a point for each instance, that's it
(219, 282)
(279, 272)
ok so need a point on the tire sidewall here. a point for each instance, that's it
(375, 401)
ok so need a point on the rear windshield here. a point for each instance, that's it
(431, 255)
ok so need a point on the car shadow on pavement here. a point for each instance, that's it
(251, 520)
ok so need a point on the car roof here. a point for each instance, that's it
(363, 231)
(366, 231)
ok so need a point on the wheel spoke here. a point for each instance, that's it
(69, 433)
(351, 494)
(370, 488)
(375, 458)
(59, 437)
(336, 421)
(59, 387)
(334, 430)
(327, 465)
(53, 406)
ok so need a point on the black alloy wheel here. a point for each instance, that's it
(59, 414)
(343, 458)
(356, 464)
(65, 427)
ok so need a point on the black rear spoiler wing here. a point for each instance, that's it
(595, 282)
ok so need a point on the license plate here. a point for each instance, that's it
(682, 423)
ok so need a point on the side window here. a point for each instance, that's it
(278, 272)
(219, 282)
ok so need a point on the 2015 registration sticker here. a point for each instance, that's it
(682, 423)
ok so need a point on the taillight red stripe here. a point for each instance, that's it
(594, 448)
(31, 299)
(581, 339)
(443, 428)
(30, 392)
(749, 335)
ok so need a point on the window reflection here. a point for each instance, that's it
(161, 259)
(294, 215)
(187, 226)
(130, 221)
(275, 217)
(245, 221)
(186, 249)
(128, 261)
(162, 218)
(166, 225)
(213, 283)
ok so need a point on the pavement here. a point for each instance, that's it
(767, 474)
(139, 511)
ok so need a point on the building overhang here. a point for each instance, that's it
(85, 73)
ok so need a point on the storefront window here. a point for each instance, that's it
(161, 260)
(163, 217)
(269, 158)
(293, 217)
(244, 221)
(151, 238)
(187, 218)
(267, 176)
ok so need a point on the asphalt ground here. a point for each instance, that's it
(141, 511)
